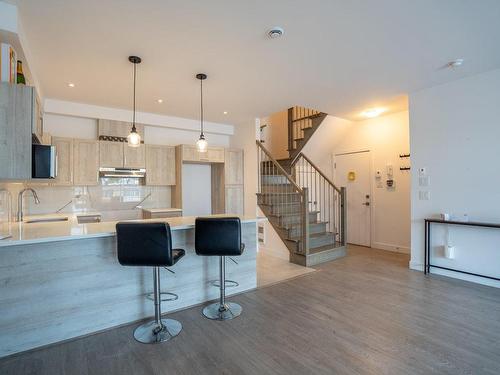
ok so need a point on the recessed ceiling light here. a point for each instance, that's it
(455, 63)
(70, 84)
(276, 32)
(225, 112)
(159, 101)
(373, 112)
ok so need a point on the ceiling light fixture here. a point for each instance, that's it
(225, 112)
(373, 112)
(134, 139)
(70, 84)
(201, 144)
(160, 101)
(276, 32)
(455, 63)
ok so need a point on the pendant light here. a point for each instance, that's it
(134, 139)
(201, 144)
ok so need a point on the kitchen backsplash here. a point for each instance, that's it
(114, 199)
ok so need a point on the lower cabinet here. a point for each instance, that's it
(160, 165)
(64, 161)
(85, 162)
(234, 199)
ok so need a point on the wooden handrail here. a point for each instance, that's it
(278, 165)
(296, 159)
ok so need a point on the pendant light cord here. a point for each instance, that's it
(133, 121)
(201, 105)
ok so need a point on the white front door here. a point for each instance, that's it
(352, 170)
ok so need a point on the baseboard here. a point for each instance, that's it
(416, 266)
(391, 247)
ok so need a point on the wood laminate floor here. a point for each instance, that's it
(366, 313)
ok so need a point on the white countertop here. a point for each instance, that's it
(24, 233)
(156, 210)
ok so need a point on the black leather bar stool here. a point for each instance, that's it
(219, 237)
(150, 245)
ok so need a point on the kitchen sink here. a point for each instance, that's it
(84, 219)
(46, 219)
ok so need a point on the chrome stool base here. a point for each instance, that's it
(229, 310)
(152, 333)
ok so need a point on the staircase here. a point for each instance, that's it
(304, 207)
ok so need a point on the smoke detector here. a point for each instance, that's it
(455, 63)
(276, 32)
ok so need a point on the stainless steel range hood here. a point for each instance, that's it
(122, 172)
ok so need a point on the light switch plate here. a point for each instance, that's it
(422, 171)
(424, 195)
(423, 181)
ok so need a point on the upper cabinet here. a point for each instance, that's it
(37, 120)
(64, 161)
(110, 154)
(120, 154)
(160, 165)
(85, 162)
(16, 122)
(117, 129)
(190, 154)
(134, 157)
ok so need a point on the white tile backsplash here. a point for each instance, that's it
(113, 201)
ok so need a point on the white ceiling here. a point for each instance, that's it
(337, 56)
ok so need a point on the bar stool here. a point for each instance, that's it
(150, 245)
(219, 237)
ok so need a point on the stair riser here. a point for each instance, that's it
(321, 241)
(314, 228)
(295, 219)
(277, 189)
(279, 198)
(274, 180)
(286, 209)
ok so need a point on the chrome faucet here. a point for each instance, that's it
(20, 213)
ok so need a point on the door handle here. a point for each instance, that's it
(366, 204)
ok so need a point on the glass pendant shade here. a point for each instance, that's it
(134, 139)
(202, 144)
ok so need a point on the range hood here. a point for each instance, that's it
(122, 172)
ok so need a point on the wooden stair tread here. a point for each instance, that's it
(320, 249)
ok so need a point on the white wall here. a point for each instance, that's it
(386, 137)
(245, 136)
(275, 134)
(455, 134)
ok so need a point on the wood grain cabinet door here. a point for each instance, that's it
(85, 162)
(234, 200)
(134, 157)
(64, 163)
(190, 154)
(215, 154)
(160, 165)
(233, 168)
(111, 154)
(15, 131)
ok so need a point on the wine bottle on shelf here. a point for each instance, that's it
(20, 75)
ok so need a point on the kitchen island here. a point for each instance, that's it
(61, 280)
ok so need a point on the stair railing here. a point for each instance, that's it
(323, 196)
(299, 118)
(277, 187)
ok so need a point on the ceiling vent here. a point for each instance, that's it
(275, 32)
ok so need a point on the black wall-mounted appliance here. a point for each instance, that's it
(43, 161)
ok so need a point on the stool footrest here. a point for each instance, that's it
(164, 296)
(228, 283)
